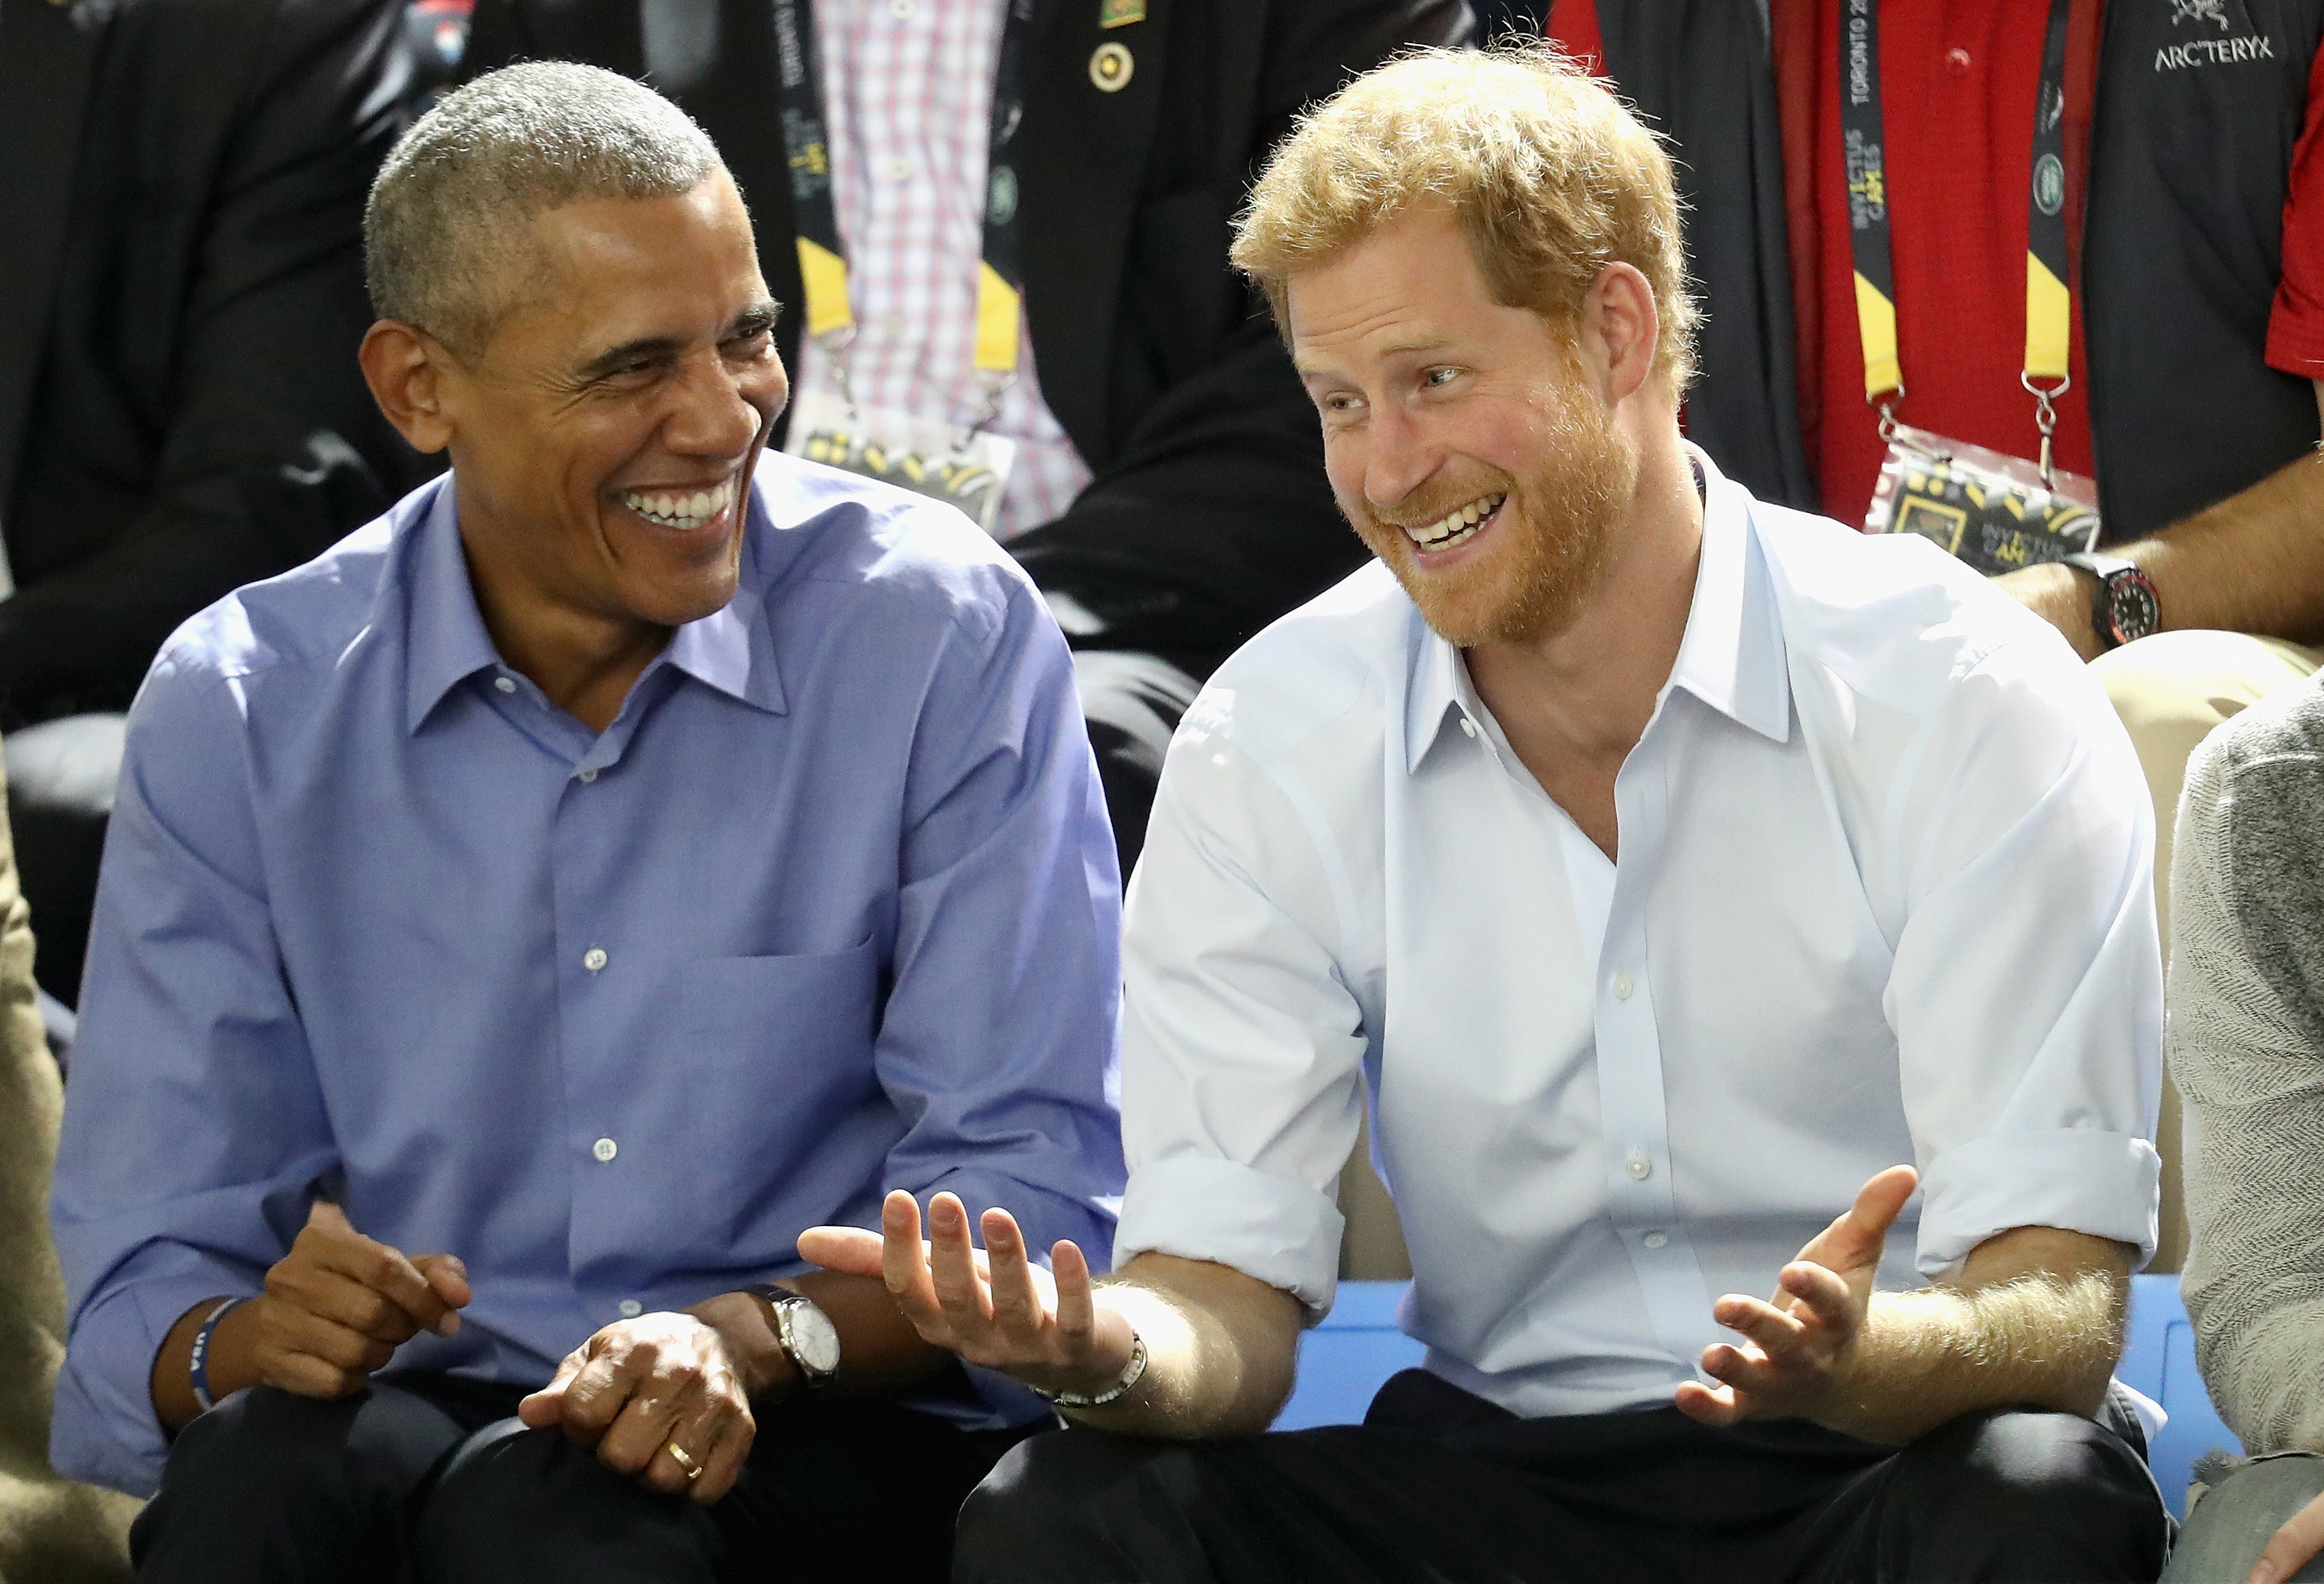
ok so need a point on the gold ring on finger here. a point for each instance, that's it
(693, 1470)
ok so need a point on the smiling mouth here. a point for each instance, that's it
(682, 509)
(1456, 528)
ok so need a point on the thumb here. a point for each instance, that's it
(450, 1278)
(850, 1250)
(327, 1217)
(1857, 1239)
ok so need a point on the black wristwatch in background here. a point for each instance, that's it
(2126, 609)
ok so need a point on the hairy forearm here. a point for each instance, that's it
(1929, 1356)
(2253, 563)
(1220, 1349)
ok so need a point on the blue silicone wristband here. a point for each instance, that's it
(201, 1355)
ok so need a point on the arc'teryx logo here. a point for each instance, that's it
(2199, 11)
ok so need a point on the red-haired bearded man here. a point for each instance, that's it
(1668, 869)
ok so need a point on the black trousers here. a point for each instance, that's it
(427, 1479)
(1437, 1485)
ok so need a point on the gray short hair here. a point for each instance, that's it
(453, 208)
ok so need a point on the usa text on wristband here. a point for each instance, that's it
(199, 1364)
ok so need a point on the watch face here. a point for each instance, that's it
(813, 1341)
(2132, 607)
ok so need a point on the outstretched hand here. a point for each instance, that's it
(994, 1308)
(1797, 1348)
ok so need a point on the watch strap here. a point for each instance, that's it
(2112, 572)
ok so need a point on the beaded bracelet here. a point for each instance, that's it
(1129, 1378)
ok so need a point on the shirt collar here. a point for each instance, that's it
(1731, 657)
(730, 649)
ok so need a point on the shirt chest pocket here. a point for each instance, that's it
(775, 1053)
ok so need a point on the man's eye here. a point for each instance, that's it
(1440, 376)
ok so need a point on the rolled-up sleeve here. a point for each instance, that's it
(998, 1040)
(2026, 993)
(1243, 1045)
(164, 1195)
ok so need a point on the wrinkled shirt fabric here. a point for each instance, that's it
(828, 909)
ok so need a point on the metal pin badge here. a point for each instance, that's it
(1110, 68)
(1120, 13)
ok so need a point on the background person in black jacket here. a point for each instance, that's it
(181, 412)
(1187, 503)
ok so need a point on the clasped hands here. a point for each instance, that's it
(337, 1306)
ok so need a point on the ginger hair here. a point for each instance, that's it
(1551, 177)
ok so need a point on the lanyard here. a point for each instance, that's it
(823, 259)
(2048, 313)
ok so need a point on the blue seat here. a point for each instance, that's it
(1343, 1361)
(2158, 1358)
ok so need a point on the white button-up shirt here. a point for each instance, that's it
(1884, 894)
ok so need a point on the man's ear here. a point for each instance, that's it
(405, 366)
(1623, 329)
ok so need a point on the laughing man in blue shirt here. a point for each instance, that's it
(518, 924)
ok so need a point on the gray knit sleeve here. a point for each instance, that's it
(2244, 1043)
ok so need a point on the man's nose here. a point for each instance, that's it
(1398, 460)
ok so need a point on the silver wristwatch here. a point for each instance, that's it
(804, 1332)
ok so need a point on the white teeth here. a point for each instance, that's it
(678, 510)
(1458, 527)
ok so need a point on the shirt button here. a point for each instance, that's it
(588, 776)
(506, 683)
(899, 169)
(605, 1149)
(1641, 1168)
(594, 959)
(1957, 61)
(631, 1308)
(1468, 726)
(1654, 1240)
(1621, 987)
(901, 10)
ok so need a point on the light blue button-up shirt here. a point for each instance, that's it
(829, 908)
(1882, 894)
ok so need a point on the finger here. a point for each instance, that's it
(1752, 1373)
(296, 1331)
(328, 1218)
(1018, 1308)
(654, 1416)
(305, 1376)
(1707, 1404)
(545, 1406)
(2291, 1547)
(1775, 1332)
(315, 1290)
(385, 1271)
(1857, 1239)
(727, 1455)
(951, 1266)
(595, 1396)
(448, 1278)
(848, 1250)
(1820, 1297)
(1076, 1303)
(903, 1261)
